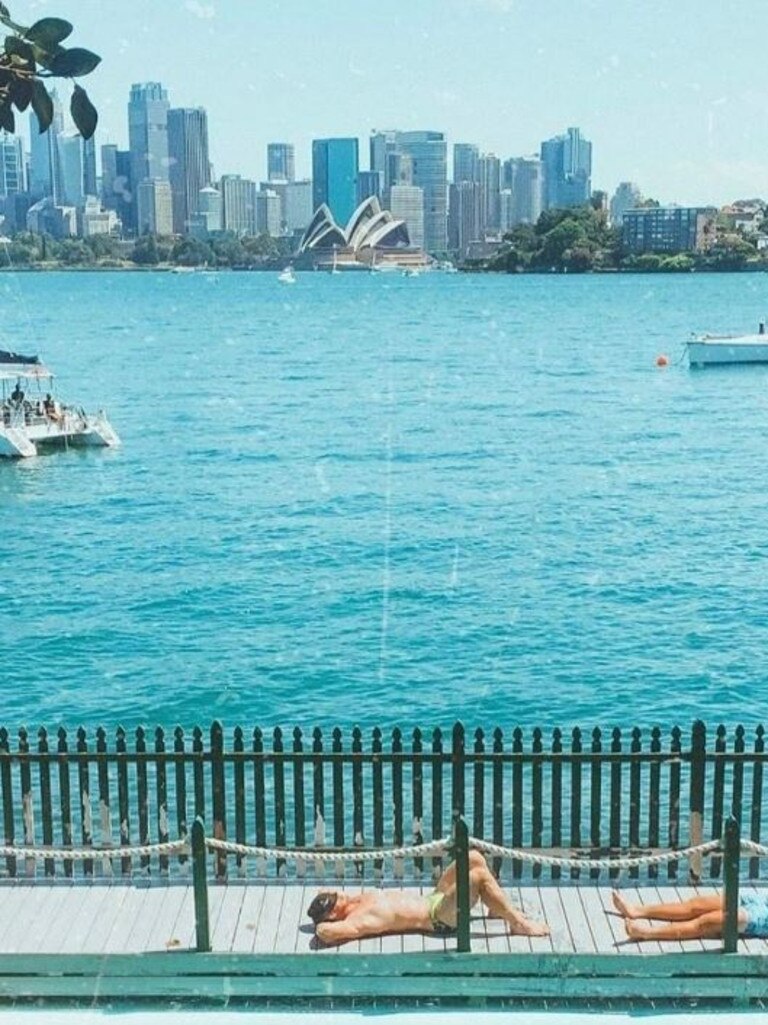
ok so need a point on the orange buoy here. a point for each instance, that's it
(662, 361)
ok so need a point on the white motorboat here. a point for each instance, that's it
(32, 423)
(287, 276)
(724, 350)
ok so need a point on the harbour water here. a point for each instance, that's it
(364, 499)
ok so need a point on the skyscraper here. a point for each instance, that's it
(489, 176)
(155, 207)
(428, 154)
(334, 176)
(567, 166)
(466, 215)
(626, 197)
(465, 157)
(189, 164)
(297, 205)
(522, 176)
(11, 165)
(381, 145)
(281, 164)
(44, 172)
(90, 182)
(269, 209)
(148, 132)
(368, 184)
(70, 161)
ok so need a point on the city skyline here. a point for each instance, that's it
(640, 83)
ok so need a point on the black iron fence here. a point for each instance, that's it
(580, 793)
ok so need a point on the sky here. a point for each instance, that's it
(672, 93)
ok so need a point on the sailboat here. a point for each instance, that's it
(334, 267)
(287, 276)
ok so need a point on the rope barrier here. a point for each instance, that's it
(748, 847)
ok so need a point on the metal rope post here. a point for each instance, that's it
(731, 855)
(461, 857)
(200, 885)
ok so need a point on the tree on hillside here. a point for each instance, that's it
(31, 55)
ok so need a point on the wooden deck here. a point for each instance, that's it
(270, 918)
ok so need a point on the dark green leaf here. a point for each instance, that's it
(14, 45)
(83, 113)
(74, 63)
(21, 92)
(49, 32)
(7, 120)
(42, 104)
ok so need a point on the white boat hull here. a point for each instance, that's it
(22, 441)
(704, 352)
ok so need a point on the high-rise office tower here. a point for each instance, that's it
(188, 160)
(368, 184)
(269, 211)
(567, 170)
(465, 221)
(407, 204)
(381, 145)
(116, 189)
(428, 152)
(489, 176)
(334, 176)
(281, 163)
(297, 205)
(522, 176)
(90, 181)
(11, 165)
(148, 131)
(465, 158)
(70, 147)
(238, 201)
(44, 171)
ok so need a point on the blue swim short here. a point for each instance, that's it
(755, 906)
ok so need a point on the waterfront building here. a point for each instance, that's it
(626, 197)
(268, 213)
(11, 165)
(44, 169)
(189, 163)
(70, 163)
(567, 170)
(407, 205)
(238, 198)
(369, 183)
(281, 163)
(428, 152)
(523, 177)
(46, 217)
(370, 233)
(92, 219)
(668, 229)
(155, 207)
(334, 176)
(465, 217)
(465, 158)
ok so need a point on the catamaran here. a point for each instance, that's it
(32, 420)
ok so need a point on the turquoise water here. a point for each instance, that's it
(365, 499)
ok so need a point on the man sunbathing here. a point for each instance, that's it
(701, 918)
(339, 918)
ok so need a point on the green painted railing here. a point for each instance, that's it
(585, 793)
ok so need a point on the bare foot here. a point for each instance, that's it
(531, 929)
(634, 932)
(624, 909)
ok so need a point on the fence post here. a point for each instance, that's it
(200, 884)
(461, 857)
(731, 856)
(696, 804)
(218, 795)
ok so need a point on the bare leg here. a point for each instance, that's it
(679, 911)
(706, 927)
(483, 886)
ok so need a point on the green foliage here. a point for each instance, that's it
(34, 53)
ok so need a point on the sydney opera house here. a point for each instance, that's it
(372, 238)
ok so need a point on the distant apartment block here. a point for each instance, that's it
(238, 197)
(667, 229)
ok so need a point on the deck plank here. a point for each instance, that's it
(264, 940)
(163, 934)
(575, 915)
(545, 907)
(248, 923)
(603, 936)
(229, 915)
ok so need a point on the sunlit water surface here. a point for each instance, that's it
(377, 500)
